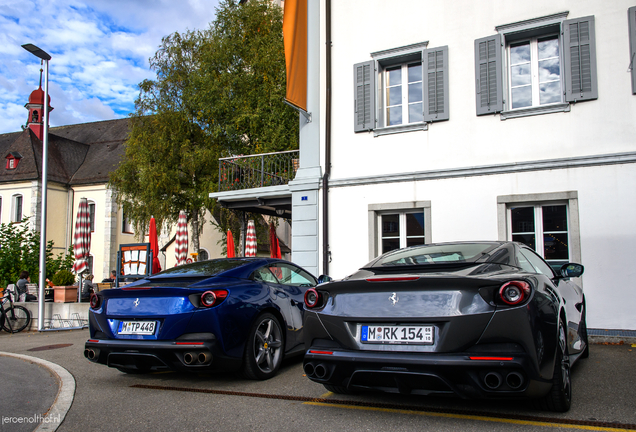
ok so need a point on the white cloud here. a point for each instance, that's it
(99, 50)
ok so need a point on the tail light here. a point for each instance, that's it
(95, 301)
(514, 292)
(312, 298)
(213, 298)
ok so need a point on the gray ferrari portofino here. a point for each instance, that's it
(481, 319)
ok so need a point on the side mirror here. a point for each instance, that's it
(324, 279)
(570, 270)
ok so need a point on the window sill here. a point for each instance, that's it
(400, 129)
(525, 112)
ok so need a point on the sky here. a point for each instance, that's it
(99, 53)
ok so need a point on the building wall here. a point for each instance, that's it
(461, 167)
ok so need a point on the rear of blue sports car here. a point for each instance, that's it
(192, 321)
(468, 327)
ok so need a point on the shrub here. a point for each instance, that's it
(63, 278)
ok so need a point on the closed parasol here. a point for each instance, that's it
(181, 249)
(82, 241)
(154, 245)
(274, 247)
(230, 244)
(250, 240)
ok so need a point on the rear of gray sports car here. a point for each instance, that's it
(469, 329)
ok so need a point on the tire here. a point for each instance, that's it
(1, 321)
(338, 389)
(19, 319)
(560, 397)
(264, 348)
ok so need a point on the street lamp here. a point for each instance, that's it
(38, 52)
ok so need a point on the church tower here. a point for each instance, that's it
(35, 121)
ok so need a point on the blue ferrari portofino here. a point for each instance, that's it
(221, 314)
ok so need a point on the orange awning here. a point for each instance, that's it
(295, 37)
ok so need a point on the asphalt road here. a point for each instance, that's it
(106, 399)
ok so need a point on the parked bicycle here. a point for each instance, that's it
(13, 319)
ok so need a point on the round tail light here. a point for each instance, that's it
(312, 298)
(514, 292)
(95, 301)
(208, 298)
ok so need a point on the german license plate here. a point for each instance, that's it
(397, 334)
(137, 327)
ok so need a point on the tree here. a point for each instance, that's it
(169, 161)
(218, 92)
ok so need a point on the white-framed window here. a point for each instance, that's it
(534, 71)
(547, 223)
(16, 214)
(536, 66)
(401, 89)
(91, 215)
(126, 225)
(398, 225)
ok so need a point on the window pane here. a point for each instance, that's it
(414, 224)
(527, 239)
(415, 73)
(521, 97)
(555, 218)
(549, 70)
(522, 219)
(390, 225)
(550, 93)
(394, 76)
(520, 53)
(414, 241)
(548, 47)
(394, 95)
(555, 246)
(415, 113)
(394, 116)
(390, 244)
(520, 75)
(415, 92)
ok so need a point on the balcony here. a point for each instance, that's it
(255, 171)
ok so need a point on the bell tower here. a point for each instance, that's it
(35, 121)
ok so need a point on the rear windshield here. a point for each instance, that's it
(436, 254)
(203, 268)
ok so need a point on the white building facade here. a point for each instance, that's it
(490, 120)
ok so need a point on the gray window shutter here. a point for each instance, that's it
(579, 55)
(489, 84)
(364, 97)
(631, 14)
(435, 85)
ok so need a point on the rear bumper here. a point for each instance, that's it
(465, 375)
(147, 356)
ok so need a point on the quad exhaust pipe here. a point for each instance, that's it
(191, 358)
(319, 370)
(494, 380)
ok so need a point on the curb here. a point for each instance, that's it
(65, 393)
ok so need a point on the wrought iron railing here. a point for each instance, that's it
(253, 171)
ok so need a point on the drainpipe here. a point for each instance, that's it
(326, 255)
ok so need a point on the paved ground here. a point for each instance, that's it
(106, 399)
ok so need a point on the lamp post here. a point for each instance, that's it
(45, 147)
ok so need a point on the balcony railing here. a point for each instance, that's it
(253, 171)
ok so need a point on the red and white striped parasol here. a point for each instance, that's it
(181, 249)
(250, 239)
(82, 238)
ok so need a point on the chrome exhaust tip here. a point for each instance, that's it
(188, 358)
(204, 357)
(320, 371)
(492, 380)
(309, 369)
(514, 380)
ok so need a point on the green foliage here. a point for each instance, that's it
(20, 250)
(218, 92)
(63, 278)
